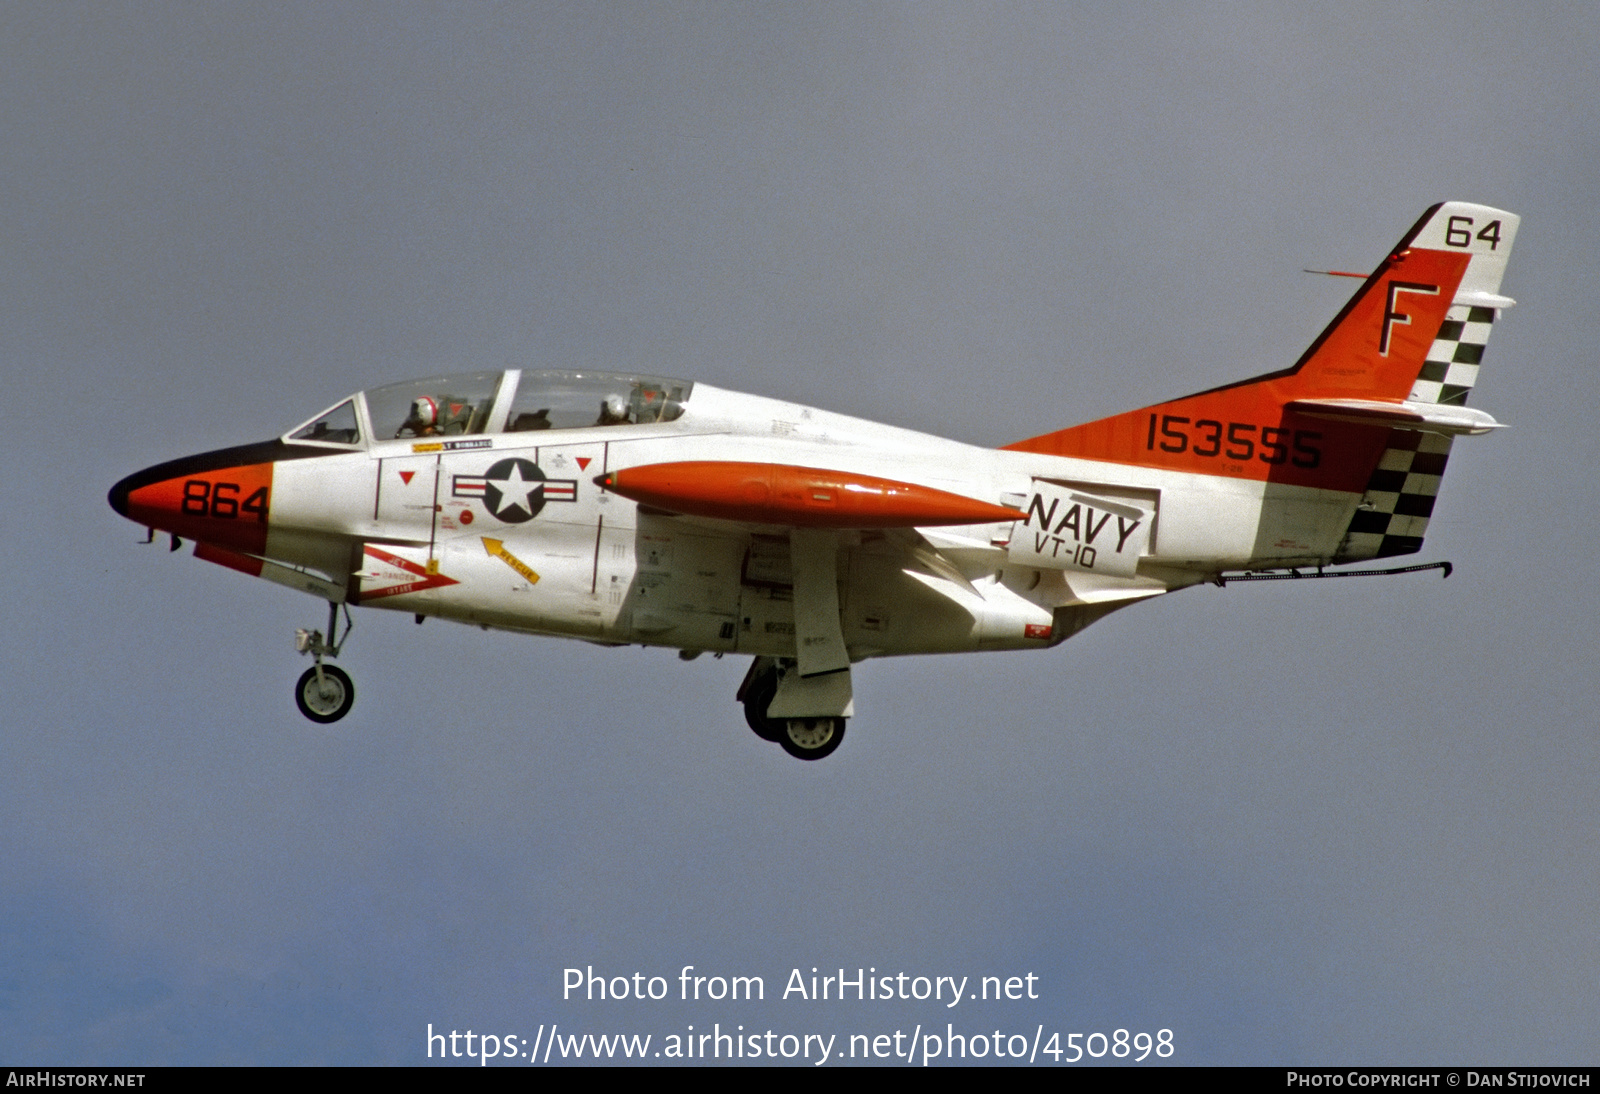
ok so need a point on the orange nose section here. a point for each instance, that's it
(225, 505)
(805, 497)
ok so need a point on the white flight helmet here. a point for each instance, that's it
(424, 411)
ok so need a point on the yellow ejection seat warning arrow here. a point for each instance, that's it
(497, 548)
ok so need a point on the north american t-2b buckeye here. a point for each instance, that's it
(641, 509)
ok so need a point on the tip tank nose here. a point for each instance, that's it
(118, 497)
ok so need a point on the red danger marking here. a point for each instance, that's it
(583, 462)
(466, 516)
(405, 477)
(425, 579)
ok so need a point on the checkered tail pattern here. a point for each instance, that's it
(1393, 513)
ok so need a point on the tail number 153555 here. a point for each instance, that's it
(1234, 440)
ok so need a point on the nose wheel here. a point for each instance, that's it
(324, 693)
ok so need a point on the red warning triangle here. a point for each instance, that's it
(583, 462)
(405, 477)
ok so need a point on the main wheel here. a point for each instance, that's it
(756, 702)
(811, 738)
(329, 701)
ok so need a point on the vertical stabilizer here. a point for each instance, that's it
(1370, 408)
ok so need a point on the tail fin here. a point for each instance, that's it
(1394, 510)
(1401, 357)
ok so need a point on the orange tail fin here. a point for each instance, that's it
(1401, 355)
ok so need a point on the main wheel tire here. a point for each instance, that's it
(328, 702)
(811, 738)
(756, 702)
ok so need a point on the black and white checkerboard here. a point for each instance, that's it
(1393, 513)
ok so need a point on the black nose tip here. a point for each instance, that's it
(119, 496)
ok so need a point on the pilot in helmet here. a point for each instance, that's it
(423, 421)
(613, 410)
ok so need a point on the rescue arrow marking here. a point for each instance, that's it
(497, 548)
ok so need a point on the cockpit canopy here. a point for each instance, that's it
(509, 401)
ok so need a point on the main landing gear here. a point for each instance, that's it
(324, 693)
(802, 738)
(811, 738)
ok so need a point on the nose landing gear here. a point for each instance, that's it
(324, 693)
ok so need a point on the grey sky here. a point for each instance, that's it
(1339, 822)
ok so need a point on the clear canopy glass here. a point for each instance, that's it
(573, 400)
(337, 426)
(512, 401)
(445, 406)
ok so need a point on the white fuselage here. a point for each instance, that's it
(595, 565)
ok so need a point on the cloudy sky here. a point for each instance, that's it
(1339, 822)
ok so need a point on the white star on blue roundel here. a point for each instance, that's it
(514, 490)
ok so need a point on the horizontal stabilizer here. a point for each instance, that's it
(1433, 417)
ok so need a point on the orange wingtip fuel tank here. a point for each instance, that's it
(807, 497)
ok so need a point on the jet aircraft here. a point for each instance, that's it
(628, 508)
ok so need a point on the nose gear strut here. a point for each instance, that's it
(324, 693)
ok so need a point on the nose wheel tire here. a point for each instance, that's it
(327, 700)
(811, 738)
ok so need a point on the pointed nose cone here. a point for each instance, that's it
(222, 497)
(119, 495)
